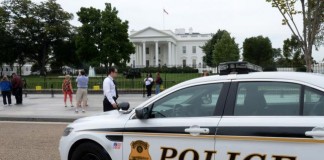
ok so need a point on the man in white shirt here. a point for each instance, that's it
(110, 91)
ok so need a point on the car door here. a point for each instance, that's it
(272, 120)
(180, 125)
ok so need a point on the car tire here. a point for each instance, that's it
(90, 151)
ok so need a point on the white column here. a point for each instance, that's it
(169, 53)
(144, 55)
(136, 54)
(174, 55)
(139, 55)
(156, 54)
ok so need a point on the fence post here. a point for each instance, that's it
(25, 87)
(52, 91)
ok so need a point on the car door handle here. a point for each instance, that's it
(316, 133)
(196, 130)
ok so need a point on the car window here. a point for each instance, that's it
(313, 102)
(193, 101)
(267, 99)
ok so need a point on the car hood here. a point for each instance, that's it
(111, 119)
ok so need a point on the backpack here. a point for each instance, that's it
(161, 81)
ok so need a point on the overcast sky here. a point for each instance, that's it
(242, 18)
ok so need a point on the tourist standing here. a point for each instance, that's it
(67, 89)
(17, 85)
(158, 82)
(82, 92)
(148, 84)
(5, 87)
(110, 91)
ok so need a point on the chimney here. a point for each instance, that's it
(190, 30)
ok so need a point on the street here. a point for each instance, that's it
(30, 140)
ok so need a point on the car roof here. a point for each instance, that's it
(309, 78)
(312, 79)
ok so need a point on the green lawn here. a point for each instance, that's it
(169, 79)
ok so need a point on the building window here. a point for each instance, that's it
(193, 49)
(194, 63)
(147, 50)
(184, 63)
(184, 49)
(159, 50)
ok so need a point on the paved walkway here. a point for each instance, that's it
(42, 107)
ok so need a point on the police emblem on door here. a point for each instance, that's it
(139, 151)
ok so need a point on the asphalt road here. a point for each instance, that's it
(30, 141)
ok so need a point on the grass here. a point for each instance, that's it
(169, 79)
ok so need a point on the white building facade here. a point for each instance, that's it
(163, 47)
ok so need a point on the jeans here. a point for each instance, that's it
(149, 90)
(157, 89)
(18, 95)
(5, 95)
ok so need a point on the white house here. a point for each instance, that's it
(163, 47)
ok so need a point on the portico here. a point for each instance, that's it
(154, 48)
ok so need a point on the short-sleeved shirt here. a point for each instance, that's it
(82, 82)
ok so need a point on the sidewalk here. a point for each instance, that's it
(42, 107)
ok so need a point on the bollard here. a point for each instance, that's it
(52, 91)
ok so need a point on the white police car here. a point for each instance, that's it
(254, 116)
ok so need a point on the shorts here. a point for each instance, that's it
(81, 94)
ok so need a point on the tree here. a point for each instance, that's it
(67, 54)
(7, 44)
(313, 23)
(258, 50)
(103, 37)
(292, 51)
(209, 47)
(37, 28)
(225, 50)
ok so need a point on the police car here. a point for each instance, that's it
(249, 116)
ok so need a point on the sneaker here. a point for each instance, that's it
(4, 104)
(83, 111)
(72, 106)
(76, 111)
(65, 106)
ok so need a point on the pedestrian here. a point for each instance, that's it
(82, 92)
(110, 90)
(158, 83)
(17, 85)
(148, 84)
(67, 89)
(5, 87)
(205, 73)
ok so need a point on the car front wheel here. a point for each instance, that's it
(90, 151)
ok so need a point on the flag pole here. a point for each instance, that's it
(163, 19)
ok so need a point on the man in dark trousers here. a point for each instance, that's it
(17, 85)
(110, 91)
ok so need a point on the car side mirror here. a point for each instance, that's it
(123, 106)
(142, 113)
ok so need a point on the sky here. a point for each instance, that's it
(242, 18)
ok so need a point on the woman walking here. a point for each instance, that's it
(67, 89)
(6, 87)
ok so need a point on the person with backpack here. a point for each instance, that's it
(148, 84)
(158, 82)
